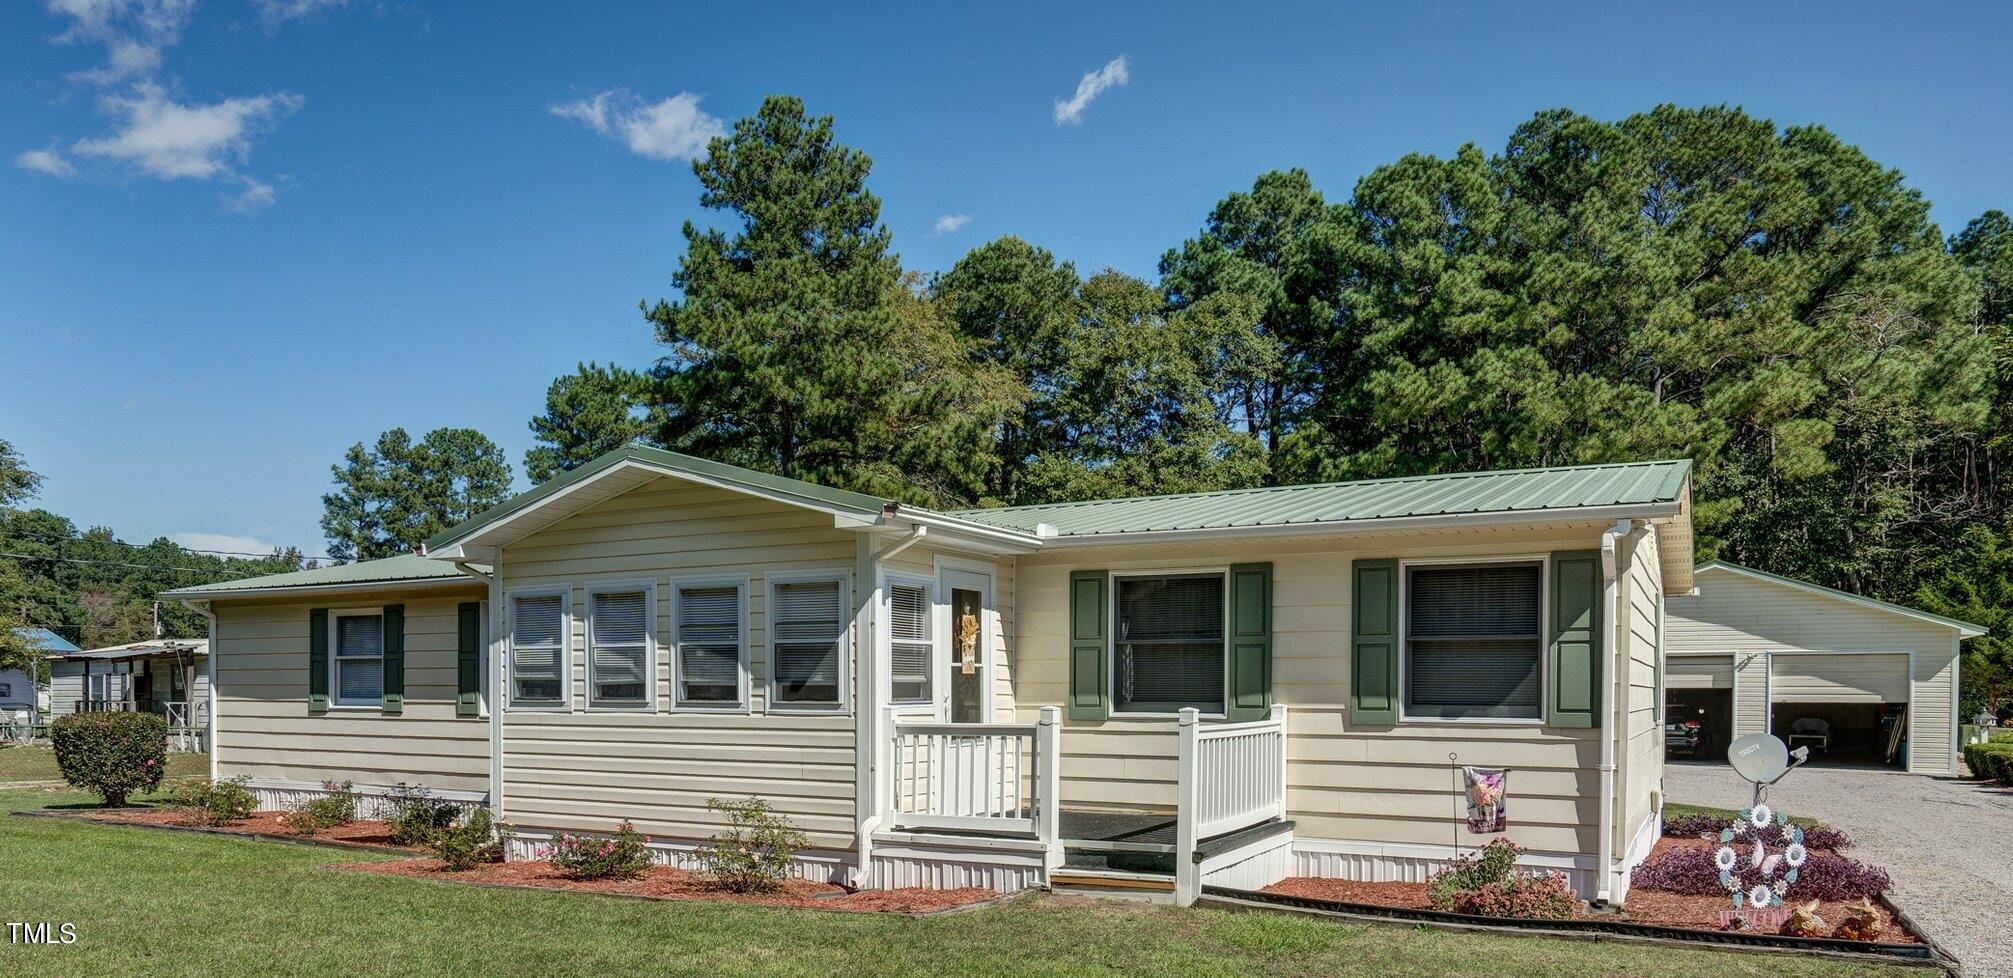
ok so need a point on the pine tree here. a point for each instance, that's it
(589, 412)
(391, 497)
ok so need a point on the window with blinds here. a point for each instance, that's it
(618, 647)
(1474, 642)
(537, 649)
(909, 615)
(1168, 644)
(709, 645)
(806, 626)
(358, 659)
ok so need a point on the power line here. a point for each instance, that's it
(52, 538)
(118, 563)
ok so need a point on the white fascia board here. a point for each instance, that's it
(316, 590)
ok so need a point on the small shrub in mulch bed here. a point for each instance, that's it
(1699, 825)
(668, 883)
(1686, 866)
(1489, 884)
(622, 856)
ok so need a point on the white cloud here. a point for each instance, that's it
(172, 141)
(952, 222)
(222, 541)
(673, 129)
(275, 13)
(134, 33)
(254, 198)
(45, 161)
(1093, 84)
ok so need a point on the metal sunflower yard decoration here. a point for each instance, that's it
(1759, 857)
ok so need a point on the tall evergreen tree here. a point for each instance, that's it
(589, 412)
(1018, 306)
(795, 345)
(1284, 246)
(391, 497)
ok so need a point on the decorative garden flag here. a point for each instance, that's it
(1485, 799)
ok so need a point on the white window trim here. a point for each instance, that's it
(1544, 563)
(335, 658)
(508, 667)
(846, 624)
(650, 650)
(677, 697)
(938, 696)
(1111, 639)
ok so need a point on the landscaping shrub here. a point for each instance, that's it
(114, 754)
(1489, 884)
(416, 814)
(589, 858)
(220, 802)
(476, 839)
(1823, 875)
(1692, 825)
(1992, 760)
(753, 856)
(336, 808)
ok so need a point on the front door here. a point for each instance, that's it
(965, 665)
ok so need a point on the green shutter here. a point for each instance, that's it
(318, 659)
(394, 658)
(1089, 617)
(1576, 639)
(1373, 641)
(1250, 641)
(468, 660)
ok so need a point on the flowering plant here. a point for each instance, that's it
(584, 857)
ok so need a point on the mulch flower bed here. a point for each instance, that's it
(668, 883)
(1645, 906)
(361, 832)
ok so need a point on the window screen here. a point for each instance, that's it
(537, 637)
(1167, 646)
(1474, 641)
(359, 660)
(709, 645)
(618, 654)
(805, 625)
(909, 618)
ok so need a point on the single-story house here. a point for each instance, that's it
(18, 688)
(1852, 678)
(1175, 691)
(165, 676)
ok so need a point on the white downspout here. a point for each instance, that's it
(867, 708)
(1611, 591)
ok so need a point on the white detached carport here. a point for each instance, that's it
(1779, 646)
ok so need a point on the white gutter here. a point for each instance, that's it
(469, 569)
(314, 590)
(867, 713)
(1611, 592)
(1381, 525)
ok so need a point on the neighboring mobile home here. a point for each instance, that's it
(17, 687)
(168, 676)
(1854, 679)
(1216, 688)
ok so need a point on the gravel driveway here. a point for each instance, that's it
(1948, 844)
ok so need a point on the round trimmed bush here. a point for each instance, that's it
(113, 754)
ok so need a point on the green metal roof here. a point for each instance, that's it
(1964, 628)
(404, 567)
(733, 476)
(1574, 487)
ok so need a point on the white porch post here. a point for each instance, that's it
(1187, 872)
(1048, 794)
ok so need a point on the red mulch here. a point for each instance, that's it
(1645, 906)
(667, 883)
(362, 832)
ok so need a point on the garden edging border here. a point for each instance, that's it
(298, 840)
(1926, 954)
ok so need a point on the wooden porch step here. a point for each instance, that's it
(1128, 882)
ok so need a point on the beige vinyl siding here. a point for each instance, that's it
(585, 769)
(1383, 784)
(1752, 619)
(266, 732)
(922, 560)
(1642, 753)
(1698, 672)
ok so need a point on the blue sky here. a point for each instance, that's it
(237, 236)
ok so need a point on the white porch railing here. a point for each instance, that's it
(1230, 776)
(985, 777)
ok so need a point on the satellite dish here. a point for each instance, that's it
(1762, 759)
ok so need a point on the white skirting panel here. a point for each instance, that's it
(1383, 862)
(1645, 839)
(1002, 865)
(372, 802)
(818, 865)
(1253, 867)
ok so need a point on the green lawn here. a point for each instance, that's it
(166, 903)
(39, 764)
